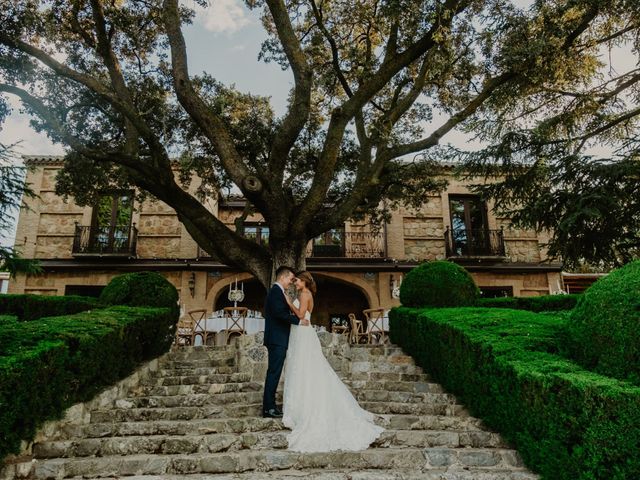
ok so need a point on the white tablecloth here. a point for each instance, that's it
(253, 323)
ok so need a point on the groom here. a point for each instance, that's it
(278, 321)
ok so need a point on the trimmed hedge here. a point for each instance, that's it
(48, 365)
(31, 307)
(544, 303)
(567, 423)
(438, 284)
(141, 289)
(604, 329)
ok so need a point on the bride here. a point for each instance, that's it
(318, 408)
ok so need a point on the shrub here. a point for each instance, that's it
(32, 307)
(545, 303)
(438, 284)
(48, 365)
(141, 289)
(566, 422)
(604, 330)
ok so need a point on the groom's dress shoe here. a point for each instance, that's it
(272, 413)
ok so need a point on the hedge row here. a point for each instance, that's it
(567, 423)
(50, 364)
(545, 303)
(31, 307)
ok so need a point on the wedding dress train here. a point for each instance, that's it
(318, 408)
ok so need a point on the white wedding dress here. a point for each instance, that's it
(318, 408)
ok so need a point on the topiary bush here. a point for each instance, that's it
(49, 364)
(604, 329)
(30, 307)
(544, 303)
(141, 289)
(438, 284)
(567, 423)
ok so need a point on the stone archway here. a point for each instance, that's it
(337, 297)
(254, 295)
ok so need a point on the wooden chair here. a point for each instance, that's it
(357, 330)
(340, 329)
(185, 332)
(199, 318)
(235, 322)
(375, 325)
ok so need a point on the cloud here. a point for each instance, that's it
(17, 129)
(222, 16)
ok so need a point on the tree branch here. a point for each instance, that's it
(211, 124)
(335, 57)
(104, 50)
(341, 115)
(300, 107)
(453, 121)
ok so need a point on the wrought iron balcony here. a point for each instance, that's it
(349, 245)
(474, 243)
(340, 245)
(112, 240)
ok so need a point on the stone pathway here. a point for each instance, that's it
(196, 417)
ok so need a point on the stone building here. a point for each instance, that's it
(356, 267)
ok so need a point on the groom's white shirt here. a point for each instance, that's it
(281, 288)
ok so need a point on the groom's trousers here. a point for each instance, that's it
(277, 354)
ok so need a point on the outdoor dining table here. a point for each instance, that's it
(216, 323)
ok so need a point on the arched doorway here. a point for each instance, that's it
(336, 299)
(254, 296)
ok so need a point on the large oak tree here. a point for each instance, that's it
(374, 83)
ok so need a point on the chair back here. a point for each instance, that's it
(198, 316)
(185, 331)
(235, 318)
(374, 318)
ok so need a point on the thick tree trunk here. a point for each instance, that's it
(290, 253)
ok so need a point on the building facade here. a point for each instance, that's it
(356, 267)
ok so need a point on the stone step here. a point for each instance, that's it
(137, 414)
(403, 397)
(326, 474)
(389, 376)
(267, 460)
(197, 388)
(196, 370)
(200, 395)
(197, 363)
(189, 351)
(206, 383)
(197, 376)
(414, 408)
(252, 424)
(384, 367)
(193, 400)
(391, 386)
(224, 442)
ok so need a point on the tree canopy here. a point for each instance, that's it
(375, 83)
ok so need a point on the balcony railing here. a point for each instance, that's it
(350, 245)
(474, 243)
(346, 245)
(109, 240)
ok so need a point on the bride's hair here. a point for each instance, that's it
(308, 280)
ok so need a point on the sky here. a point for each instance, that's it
(224, 40)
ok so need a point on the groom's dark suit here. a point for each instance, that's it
(278, 320)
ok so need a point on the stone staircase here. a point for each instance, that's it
(196, 415)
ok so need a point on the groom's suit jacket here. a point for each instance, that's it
(278, 318)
